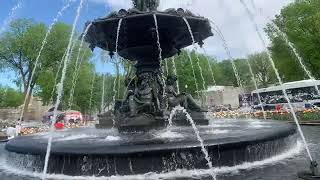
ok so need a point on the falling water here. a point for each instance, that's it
(190, 59)
(74, 81)
(10, 16)
(251, 17)
(44, 42)
(194, 75)
(196, 131)
(91, 91)
(160, 53)
(210, 67)
(167, 69)
(117, 59)
(256, 87)
(294, 50)
(114, 90)
(158, 37)
(195, 48)
(118, 34)
(119, 83)
(77, 66)
(226, 47)
(103, 92)
(175, 73)
(60, 90)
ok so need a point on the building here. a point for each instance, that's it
(222, 95)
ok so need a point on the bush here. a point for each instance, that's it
(10, 97)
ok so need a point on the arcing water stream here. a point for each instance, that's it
(210, 67)
(291, 46)
(197, 57)
(44, 42)
(11, 15)
(77, 66)
(196, 131)
(57, 76)
(294, 50)
(251, 17)
(60, 90)
(226, 47)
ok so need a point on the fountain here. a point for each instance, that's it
(135, 133)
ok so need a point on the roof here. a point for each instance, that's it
(290, 85)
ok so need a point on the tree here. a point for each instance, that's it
(300, 21)
(19, 48)
(262, 70)
(10, 97)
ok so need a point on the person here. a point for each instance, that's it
(183, 99)
(11, 132)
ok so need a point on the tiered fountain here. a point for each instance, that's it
(140, 142)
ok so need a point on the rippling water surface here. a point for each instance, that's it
(281, 170)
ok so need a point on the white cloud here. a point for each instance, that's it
(233, 21)
(229, 15)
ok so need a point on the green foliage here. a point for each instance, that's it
(19, 48)
(262, 70)
(300, 21)
(10, 97)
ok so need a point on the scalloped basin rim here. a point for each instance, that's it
(147, 143)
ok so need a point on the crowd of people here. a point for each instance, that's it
(294, 98)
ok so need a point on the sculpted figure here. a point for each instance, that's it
(183, 99)
(145, 97)
(145, 5)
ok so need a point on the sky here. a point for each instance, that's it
(229, 15)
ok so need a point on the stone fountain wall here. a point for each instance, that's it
(9, 116)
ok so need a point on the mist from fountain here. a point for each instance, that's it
(11, 15)
(251, 17)
(44, 42)
(60, 89)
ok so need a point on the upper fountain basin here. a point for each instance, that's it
(138, 36)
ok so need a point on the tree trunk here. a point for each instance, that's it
(26, 105)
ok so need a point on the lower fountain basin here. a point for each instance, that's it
(101, 152)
